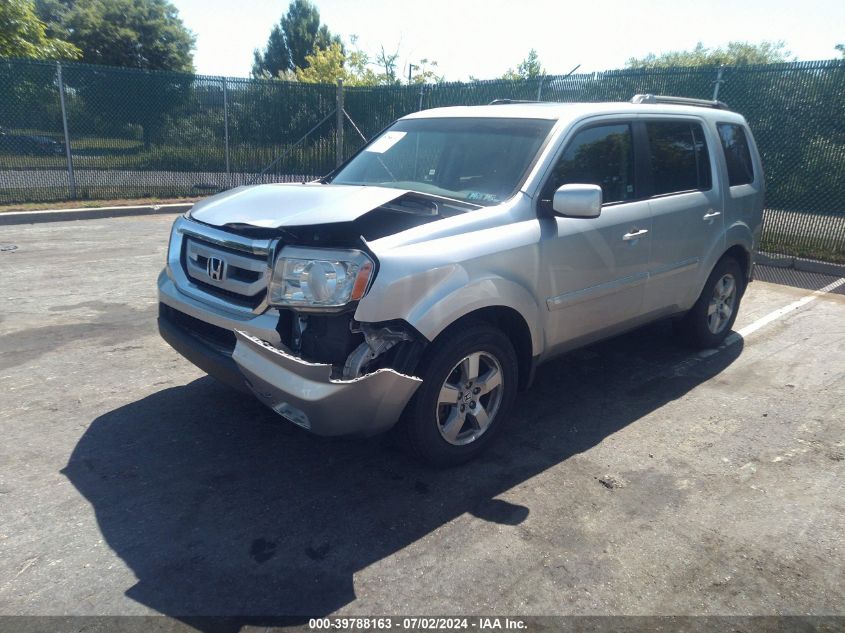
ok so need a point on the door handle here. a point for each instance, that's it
(711, 213)
(634, 234)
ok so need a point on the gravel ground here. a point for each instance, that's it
(636, 478)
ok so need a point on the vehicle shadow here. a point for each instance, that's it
(222, 509)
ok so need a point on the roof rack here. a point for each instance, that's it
(703, 103)
(506, 101)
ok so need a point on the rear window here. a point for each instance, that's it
(678, 156)
(737, 154)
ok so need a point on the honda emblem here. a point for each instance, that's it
(216, 268)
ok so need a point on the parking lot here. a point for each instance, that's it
(636, 477)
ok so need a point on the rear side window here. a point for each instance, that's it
(737, 154)
(678, 156)
(601, 155)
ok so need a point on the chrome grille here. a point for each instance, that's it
(224, 273)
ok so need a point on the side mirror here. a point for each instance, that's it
(578, 201)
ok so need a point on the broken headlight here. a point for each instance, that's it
(319, 278)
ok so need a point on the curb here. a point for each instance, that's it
(798, 263)
(95, 213)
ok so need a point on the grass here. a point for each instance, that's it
(91, 204)
(783, 244)
(205, 156)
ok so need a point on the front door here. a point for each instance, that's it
(595, 269)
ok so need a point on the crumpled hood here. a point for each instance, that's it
(277, 205)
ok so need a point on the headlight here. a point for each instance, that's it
(319, 278)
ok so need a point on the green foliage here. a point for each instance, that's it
(297, 35)
(327, 65)
(426, 72)
(841, 49)
(53, 14)
(387, 62)
(142, 99)
(147, 34)
(28, 96)
(734, 54)
(140, 34)
(23, 34)
(528, 68)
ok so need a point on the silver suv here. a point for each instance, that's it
(424, 280)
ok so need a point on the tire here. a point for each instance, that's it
(444, 434)
(710, 320)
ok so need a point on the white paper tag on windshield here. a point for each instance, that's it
(385, 142)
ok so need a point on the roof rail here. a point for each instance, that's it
(703, 103)
(506, 101)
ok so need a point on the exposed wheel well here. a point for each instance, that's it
(514, 326)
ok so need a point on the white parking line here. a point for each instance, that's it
(740, 334)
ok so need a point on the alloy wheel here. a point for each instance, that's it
(722, 304)
(469, 398)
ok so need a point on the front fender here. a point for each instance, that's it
(432, 300)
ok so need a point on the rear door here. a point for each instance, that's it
(686, 209)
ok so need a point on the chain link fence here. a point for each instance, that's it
(77, 131)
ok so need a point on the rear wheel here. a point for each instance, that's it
(469, 385)
(711, 318)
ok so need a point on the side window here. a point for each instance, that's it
(679, 157)
(737, 154)
(601, 155)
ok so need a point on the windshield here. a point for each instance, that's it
(482, 160)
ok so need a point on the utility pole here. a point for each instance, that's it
(411, 67)
(70, 176)
(719, 81)
(226, 125)
(339, 131)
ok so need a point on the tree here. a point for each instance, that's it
(23, 34)
(387, 62)
(53, 14)
(528, 68)
(327, 65)
(841, 49)
(734, 54)
(426, 72)
(355, 67)
(139, 34)
(146, 34)
(297, 35)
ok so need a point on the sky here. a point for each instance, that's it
(485, 39)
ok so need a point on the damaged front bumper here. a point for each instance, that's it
(307, 395)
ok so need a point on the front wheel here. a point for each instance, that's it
(469, 385)
(711, 318)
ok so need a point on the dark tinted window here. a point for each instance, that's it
(602, 155)
(737, 154)
(679, 158)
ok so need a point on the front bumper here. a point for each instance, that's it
(299, 391)
(305, 393)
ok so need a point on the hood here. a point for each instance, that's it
(277, 205)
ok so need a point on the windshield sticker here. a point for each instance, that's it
(385, 142)
(486, 197)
